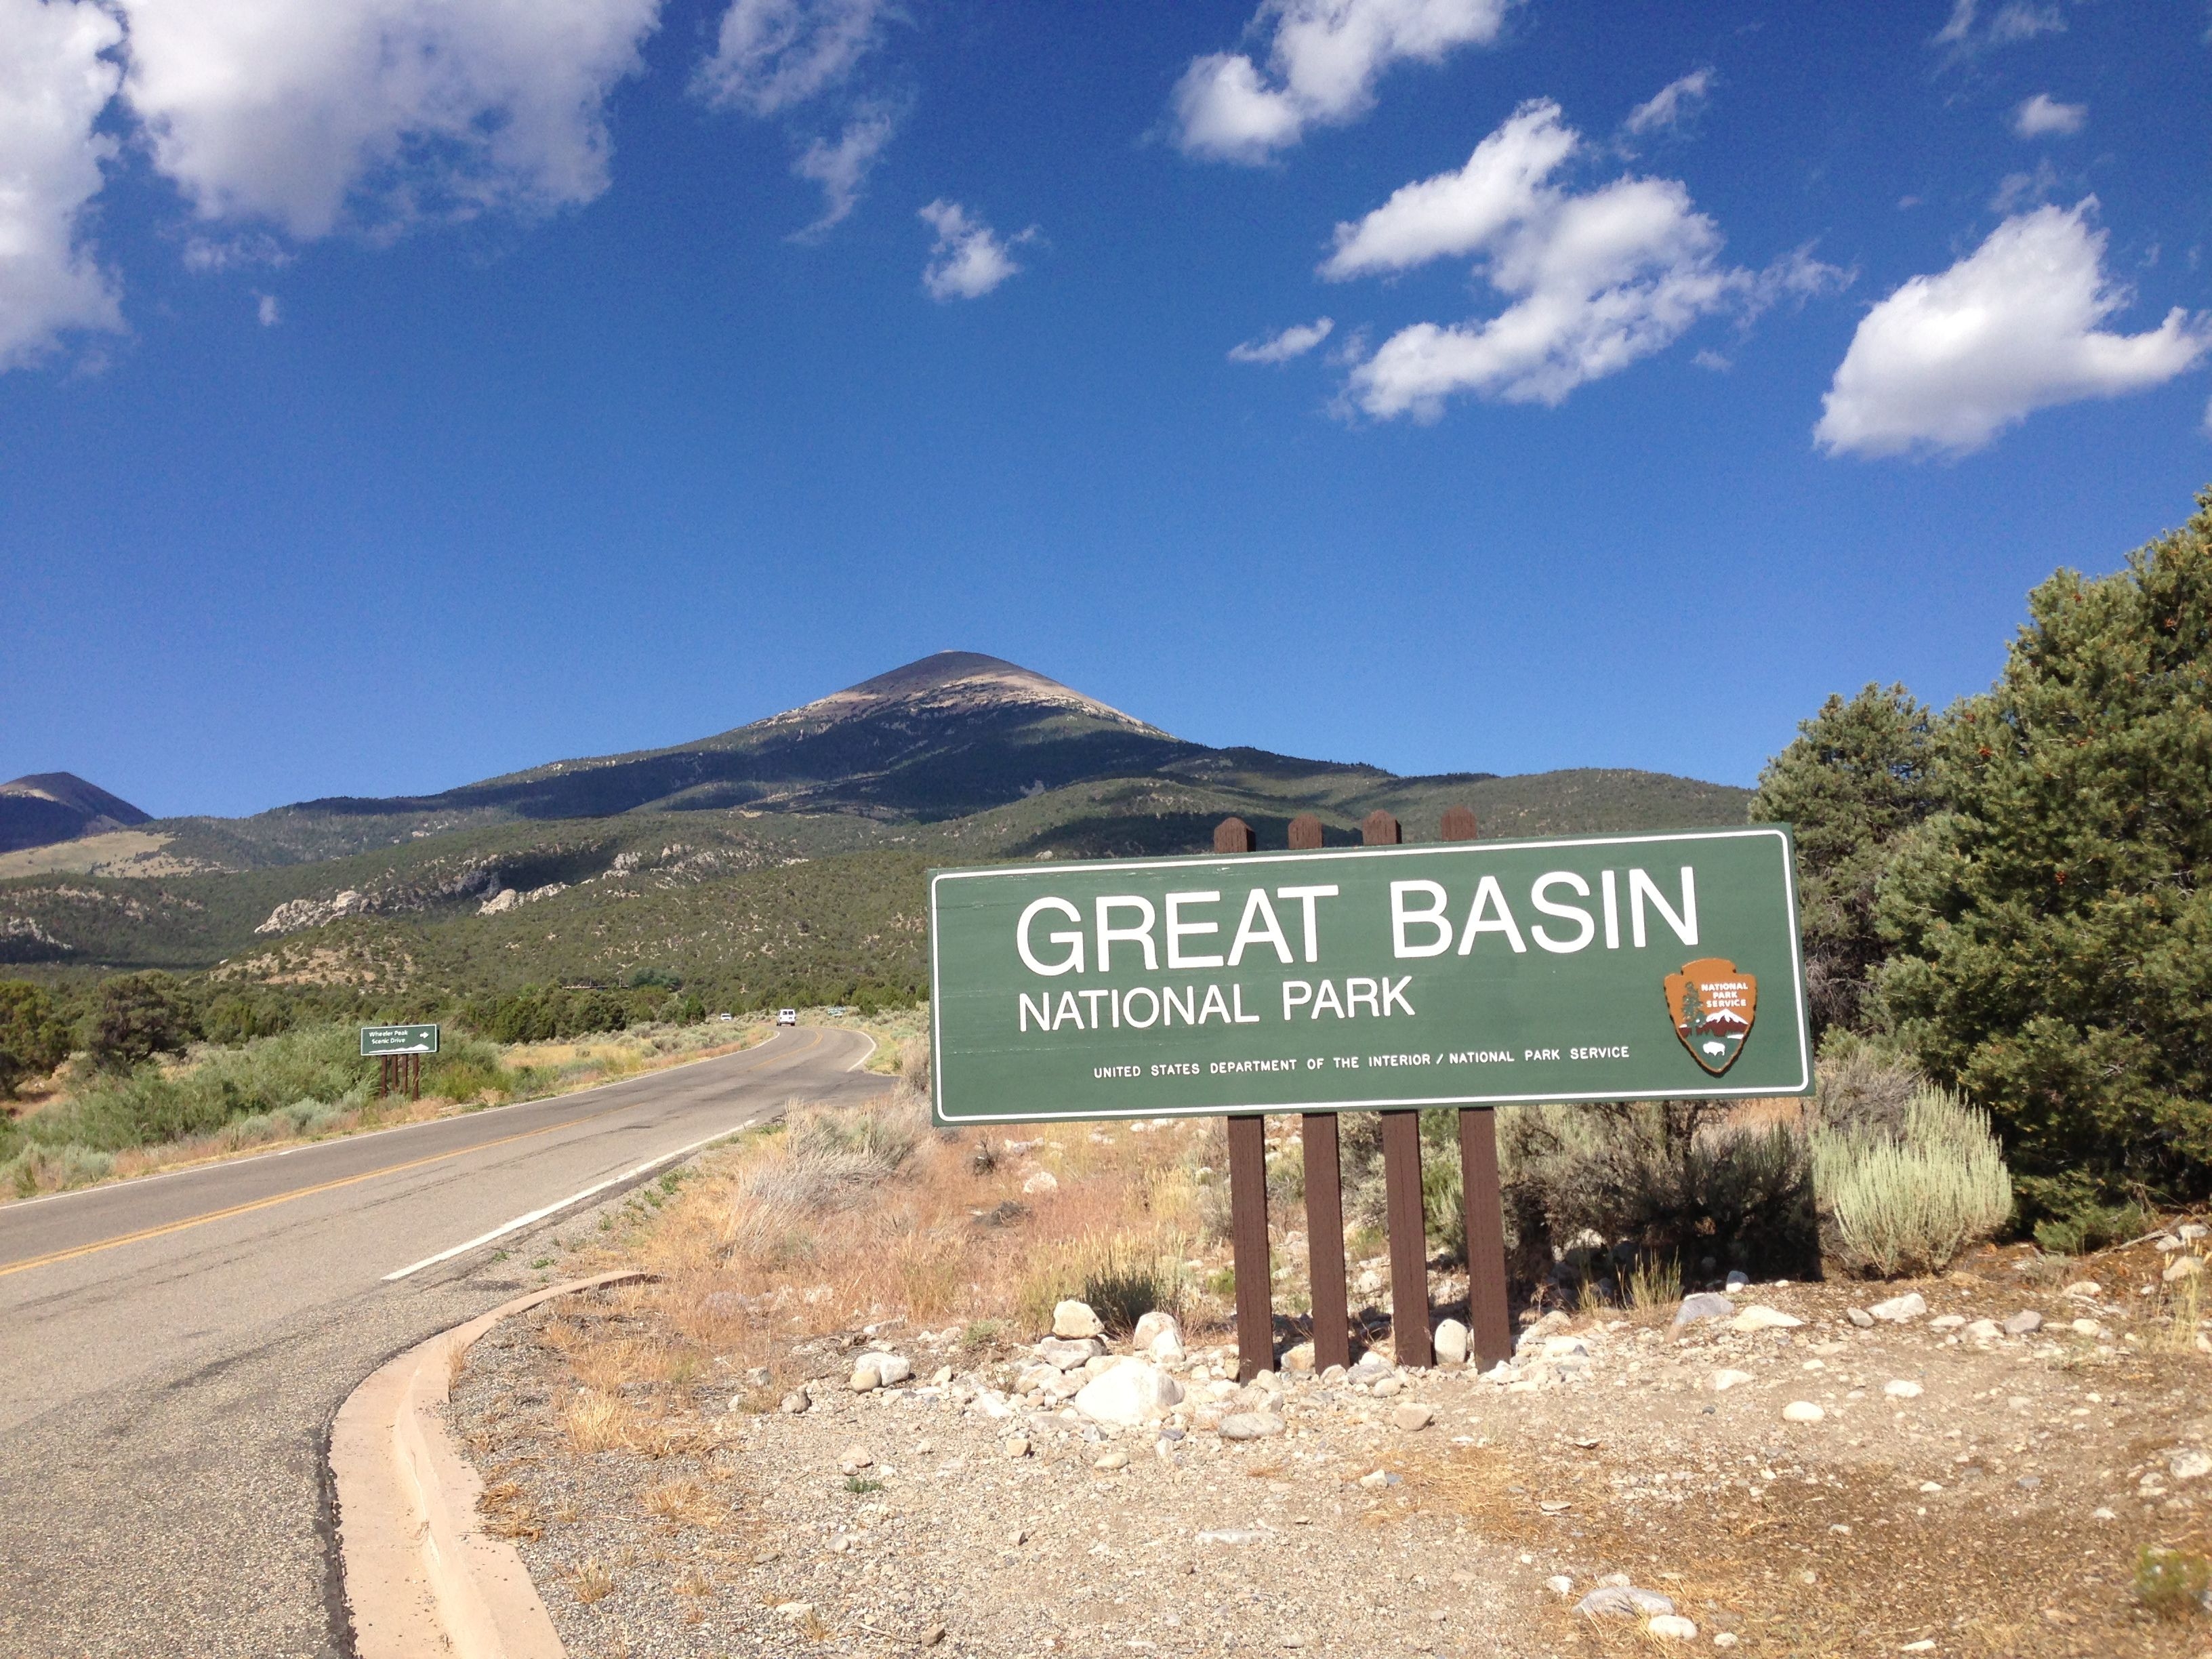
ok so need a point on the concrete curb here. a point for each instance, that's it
(420, 1578)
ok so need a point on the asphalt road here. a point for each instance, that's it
(173, 1350)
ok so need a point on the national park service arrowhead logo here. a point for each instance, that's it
(1712, 1005)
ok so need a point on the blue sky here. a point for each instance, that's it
(398, 394)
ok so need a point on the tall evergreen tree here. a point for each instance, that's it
(1854, 781)
(2054, 927)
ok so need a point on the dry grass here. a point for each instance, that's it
(684, 1502)
(866, 1214)
(592, 1582)
(595, 1422)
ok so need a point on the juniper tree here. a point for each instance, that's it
(34, 1037)
(1852, 783)
(2053, 928)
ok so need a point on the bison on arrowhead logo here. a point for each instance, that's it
(1712, 1005)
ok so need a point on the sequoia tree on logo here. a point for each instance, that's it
(1712, 1005)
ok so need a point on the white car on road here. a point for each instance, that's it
(786, 1016)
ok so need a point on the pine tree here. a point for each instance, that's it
(2054, 928)
(1854, 781)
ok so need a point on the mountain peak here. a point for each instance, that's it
(42, 807)
(955, 682)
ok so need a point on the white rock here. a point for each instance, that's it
(797, 1612)
(2189, 1465)
(1566, 1347)
(853, 1460)
(1802, 1411)
(2184, 1267)
(1703, 1304)
(1068, 1354)
(1760, 1318)
(1128, 1393)
(1559, 1584)
(1450, 1342)
(1250, 1426)
(1864, 1320)
(1015, 1445)
(1412, 1416)
(2086, 1327)
(1112, 1462)
(1042, 1181)
(873, 1370)
(1673, 1627)
(1074, 1321)
(2024, 1324)
(792, 1404)
(1901, 1388)
(2085, 1287)
(1724, 1379)
(1981, 1330)
(1899, 1308)
(1725, 1639)
(1159, 1335)
(2192, 1230)
(1946, 1322)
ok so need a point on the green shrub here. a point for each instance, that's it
(1908, 1200)
(318, 1063)
(1666, 1180)
(2088, 1225)
(2172, 1583)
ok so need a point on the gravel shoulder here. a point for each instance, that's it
(1960, 1490)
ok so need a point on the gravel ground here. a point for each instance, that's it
(1981, 1494)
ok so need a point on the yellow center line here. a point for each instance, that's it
(306, 1192)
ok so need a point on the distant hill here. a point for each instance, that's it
(787, 853)
(45, 807)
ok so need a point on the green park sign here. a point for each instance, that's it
(1473, 973)
(377, 1040)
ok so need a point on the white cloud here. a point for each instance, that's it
(1323, 59)
(300, 110)
(842, 168)
(1293, 341)
(773, 54)
(53, 84)
(1672, 104)
(1595, 281)
(1501, 185)
(2010, 24)
(2018, 190)
(1947, 361)
(968, 259)
(267, 311)
(2042, 115)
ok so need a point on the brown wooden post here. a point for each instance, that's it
(1409, 1238)
(1401, 1188)
(1247, 1197)
(1482, 1203)
(1332, 1316)
(1248, 1228)
(1324, 1179)
(1490, 1326)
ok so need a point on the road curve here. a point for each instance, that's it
(173, 1350)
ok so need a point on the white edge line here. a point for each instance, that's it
(520, 1221)
(863, 1060)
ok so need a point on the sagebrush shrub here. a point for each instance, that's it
(1909, 1199)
